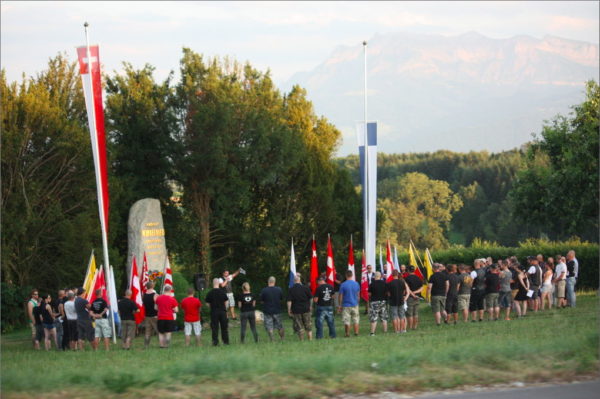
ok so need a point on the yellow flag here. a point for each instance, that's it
(411, 257)
(428, 263)
(91, 272)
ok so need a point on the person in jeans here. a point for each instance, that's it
(377, 303)
(324, 307)
(349, 291)
(572, 274)
(247, 304)
(127, 309)
(59, 319)
(299, 308)
(191, 317)
(271, 297)
(397, 291)
(415, 286)
(438, 288)
(492, 285)
(33, 303)
(505, 298)
(217, 301)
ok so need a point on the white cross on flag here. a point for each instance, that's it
(330, 272)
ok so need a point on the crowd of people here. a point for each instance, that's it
(455, 292)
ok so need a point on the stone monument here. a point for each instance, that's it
(146, 233)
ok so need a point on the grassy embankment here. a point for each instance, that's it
(550, 345)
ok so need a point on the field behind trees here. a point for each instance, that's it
(555, 345)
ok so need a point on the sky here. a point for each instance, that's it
(285, 37)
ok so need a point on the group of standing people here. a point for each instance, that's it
(454, 292)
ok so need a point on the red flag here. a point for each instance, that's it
(92, 90)
(330, 271)
(145, 278)
(314, 268)
(388, 262)
(351, 258)
(418, 273)
(99, 284)
(168, 278)
(136, 294)
(364, 282)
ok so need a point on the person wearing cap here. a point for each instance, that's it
(166, 305)
(324, 307)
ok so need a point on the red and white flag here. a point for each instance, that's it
(330, 271)
(136, 293)
(389, 265)
(99, 284)
(364, 281)
(351, 259)
(145, 277)
(314, 267)
(92, 90)
(168, 278)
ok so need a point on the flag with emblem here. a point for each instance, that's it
(330, 271)
(314, 267)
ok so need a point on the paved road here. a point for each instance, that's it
(580, 390)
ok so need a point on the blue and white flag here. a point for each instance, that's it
(396, 264)
(292, 265)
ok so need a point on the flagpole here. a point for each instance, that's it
(97, 168)
(366, 165)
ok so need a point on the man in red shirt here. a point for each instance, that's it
(191, 317)
(166, 306)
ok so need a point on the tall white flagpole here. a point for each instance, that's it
(366, 164)
(98, 177)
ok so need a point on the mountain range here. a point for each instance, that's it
(460, 93)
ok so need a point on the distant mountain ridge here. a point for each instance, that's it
(461, 93)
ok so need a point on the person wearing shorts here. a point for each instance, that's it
(438, 288)
(127, 311)
(299, 305)
(271, 297)
(225, 283)
(85, 330)
(397, 291)
(452, 296)
(99, 312)
(492, 284)
(415, 286)
(560, 281)
(377, 303)
(349, 291)
(476, 305)
(465, 285)
(505, 297)
(150, 320)
(166, 306)
(191, 317)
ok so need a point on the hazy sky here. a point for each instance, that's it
(286, 37)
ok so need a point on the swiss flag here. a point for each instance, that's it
(330, 271)
(388, 262)
(351, 259)
(364, 282)
(145, 278)
(314, 268)
(99, 284)
(136, 293)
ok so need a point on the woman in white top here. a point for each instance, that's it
(547, 284)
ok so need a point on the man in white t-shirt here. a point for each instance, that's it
(560, 281)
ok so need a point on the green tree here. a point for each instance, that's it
(418, 208)
(558, 192)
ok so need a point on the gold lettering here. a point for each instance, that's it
(152, 224)
(153, 232)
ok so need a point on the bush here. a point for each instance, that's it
(13, 306)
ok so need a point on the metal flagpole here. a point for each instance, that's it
(98, 179)
(366, 165)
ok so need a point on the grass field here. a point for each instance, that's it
(550, 345)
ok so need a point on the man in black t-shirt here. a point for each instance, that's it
(99, 312)
(271, 297)
(438, 288)
(299, 308)
(151, 318)
(127, 309)
(324, 307)
(415, 286)
(217, 301)
(377, 303)
(492, 286)
(452, 296)
(398, 293)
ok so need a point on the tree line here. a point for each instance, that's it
(240, 168)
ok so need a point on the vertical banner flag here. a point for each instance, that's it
(314, 268)
(99, 284)
(330, 271)
(369, 195)
(364, 282)
(388, 262)
(396, 264)
(351, 259)
(145, 277)
(90, 274)
(168, 277)
(136, 293)
(381, 269)
(112, 297)
(428, 262)
(413, 262)
(292, 265)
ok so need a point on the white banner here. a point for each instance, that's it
(369, 203)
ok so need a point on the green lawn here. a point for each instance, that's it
(548, 345)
